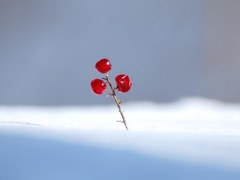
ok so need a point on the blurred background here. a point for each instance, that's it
(171, 49)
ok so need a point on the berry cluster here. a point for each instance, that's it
(99, 86)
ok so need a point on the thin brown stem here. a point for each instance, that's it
(117, 101)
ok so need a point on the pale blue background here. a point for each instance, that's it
(170, 48)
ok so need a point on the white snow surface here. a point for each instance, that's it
(192, 138)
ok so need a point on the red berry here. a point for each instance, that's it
(123, 82)
(103, 66)
(98, 86)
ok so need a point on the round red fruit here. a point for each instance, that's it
(123, 82)
(103, 65)
(98, 86)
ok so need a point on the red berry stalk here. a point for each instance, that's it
(117, 101)
(123, 84)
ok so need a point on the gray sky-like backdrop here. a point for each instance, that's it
(171, 49)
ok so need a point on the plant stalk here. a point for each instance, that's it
(117, 101)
